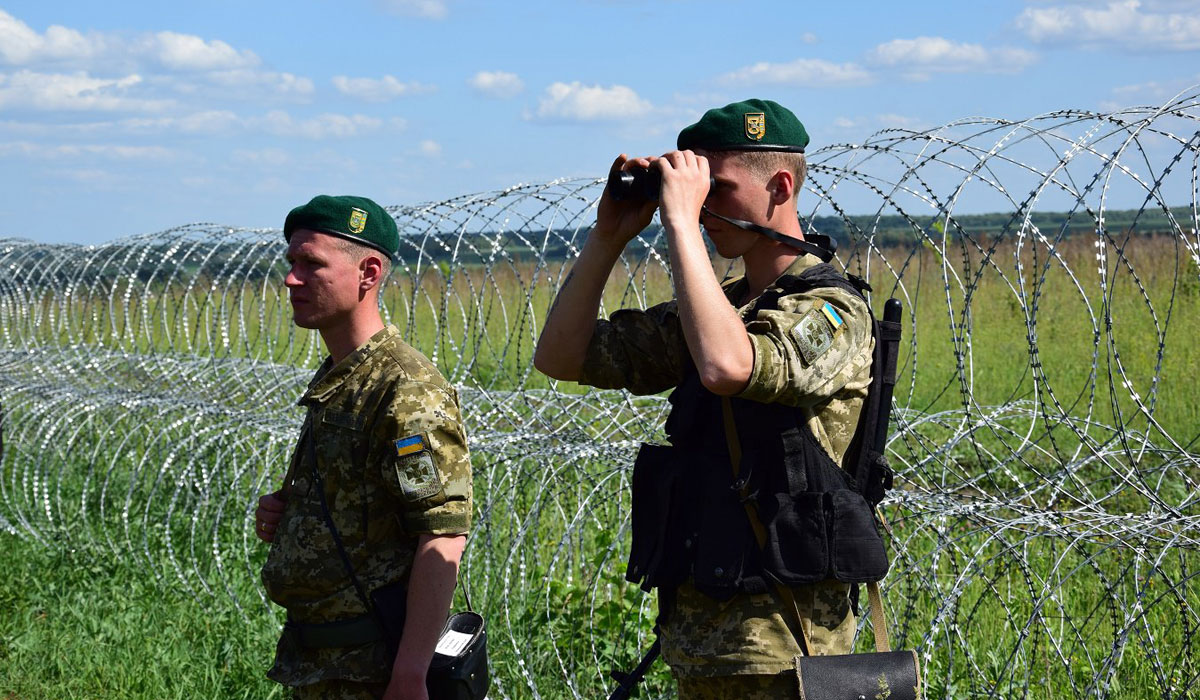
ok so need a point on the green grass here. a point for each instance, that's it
(88, 623)
(80, 625)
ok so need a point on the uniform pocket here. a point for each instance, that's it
(657, 553)
(797, 548)
(858, 552)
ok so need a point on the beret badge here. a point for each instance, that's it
(756, 125)
(358, 220)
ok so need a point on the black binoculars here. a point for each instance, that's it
(638, 184)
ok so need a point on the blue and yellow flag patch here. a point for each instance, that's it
(832, 315)
(409, 445)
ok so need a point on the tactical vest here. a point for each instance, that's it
(689, 521)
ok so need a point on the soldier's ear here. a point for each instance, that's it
(370, 271)
(782, 186)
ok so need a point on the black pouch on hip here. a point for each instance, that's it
(894, 675)
(459, 670)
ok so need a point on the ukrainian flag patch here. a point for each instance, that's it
(832, 315)
(409, 445)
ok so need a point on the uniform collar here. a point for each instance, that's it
(734, 287)
(330, 377)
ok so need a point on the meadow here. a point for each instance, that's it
(1044, 412)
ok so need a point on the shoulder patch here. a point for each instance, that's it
(814, 334)
(835, 319)
(409, 445)
(415, 472)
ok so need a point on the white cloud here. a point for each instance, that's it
(256, 83)
(185, 52)
(578, 102)
(1155, 91)
(78, 91)
(803, 72)
(106, 151)
(378, 90)
(323, 126)
(21, 45)
(166, 63)
(932, 54)
(1129, 23)
(808, 38)
(497, 84)
(265, 157)
(430, 148)
(427, 9)
(899, 121)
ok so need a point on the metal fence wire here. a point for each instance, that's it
(1045, 527)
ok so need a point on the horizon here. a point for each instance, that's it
(138, 118)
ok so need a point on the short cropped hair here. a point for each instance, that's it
(358, 251)
(764, 164)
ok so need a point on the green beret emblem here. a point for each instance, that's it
(756, 125)
(358, 220)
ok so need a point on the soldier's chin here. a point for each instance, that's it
(305, 322)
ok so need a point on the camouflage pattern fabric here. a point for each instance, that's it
(644, 352)
(753, 634)
(827, 377)
(340, 690)
(391, 450)
(782, 685)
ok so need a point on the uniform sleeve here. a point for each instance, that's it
(810, 348)
(641, 351)
(425, 464)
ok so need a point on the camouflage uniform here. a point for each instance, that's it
(390, 447)
(645, 352)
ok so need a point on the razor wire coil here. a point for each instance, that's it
(1043, 433)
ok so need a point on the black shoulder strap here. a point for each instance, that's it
(815, 277)
(863, 460)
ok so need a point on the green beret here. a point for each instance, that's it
(356, 219)
(751, 125)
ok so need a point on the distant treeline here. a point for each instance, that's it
(894, 229)
(230, 260)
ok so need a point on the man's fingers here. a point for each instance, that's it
(639, 162)
(269, 517)
(272, 502)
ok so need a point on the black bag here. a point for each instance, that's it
(459, 670)
(890, 674)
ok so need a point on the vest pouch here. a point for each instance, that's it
(797, 548)
(858, 553)
(656, 552)
(724, 545)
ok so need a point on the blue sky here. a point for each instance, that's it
(133, 117)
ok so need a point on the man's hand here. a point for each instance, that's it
(268, 514)
(618, 222)
(407, 686)
(685, 183)
(430, 591)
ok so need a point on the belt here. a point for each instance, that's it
(354, 631)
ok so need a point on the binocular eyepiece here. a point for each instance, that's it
(638, 184)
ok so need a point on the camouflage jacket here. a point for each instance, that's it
(803, 357)
(392, 453)
(645, 353)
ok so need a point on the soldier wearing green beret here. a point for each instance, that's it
(794, 356)
(381, 459)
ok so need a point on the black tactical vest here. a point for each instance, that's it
(688, 519)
